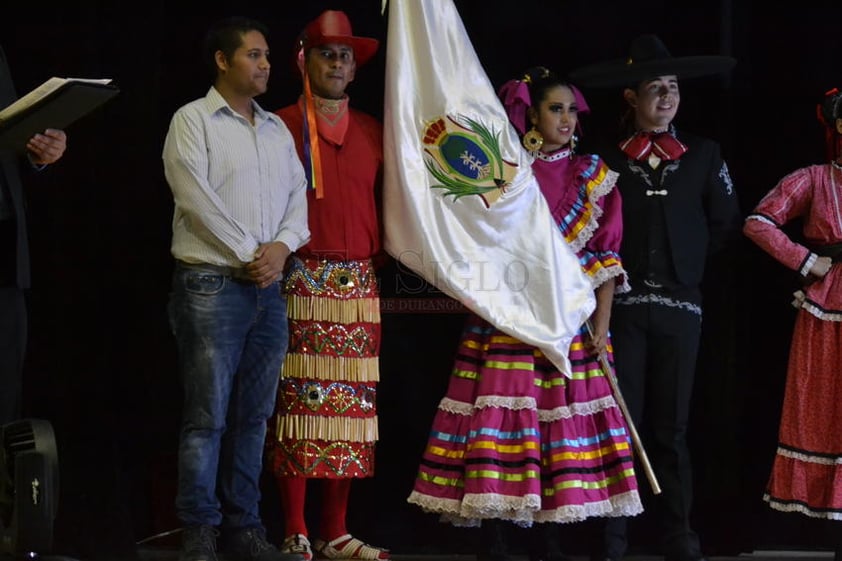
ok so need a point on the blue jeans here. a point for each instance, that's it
(232, 337)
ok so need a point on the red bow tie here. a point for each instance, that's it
(663, 144)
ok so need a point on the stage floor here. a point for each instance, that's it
(171, 554)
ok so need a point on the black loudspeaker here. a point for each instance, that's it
(29, 460)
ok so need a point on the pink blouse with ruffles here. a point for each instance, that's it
(580, 192)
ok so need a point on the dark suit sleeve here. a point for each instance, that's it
(721, 205)
(7, 87)
(8, 95)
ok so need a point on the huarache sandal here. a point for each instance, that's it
(349, 547)
(297, 543)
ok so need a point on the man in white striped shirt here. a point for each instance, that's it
(240, 210)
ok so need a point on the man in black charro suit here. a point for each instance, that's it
(679, 208)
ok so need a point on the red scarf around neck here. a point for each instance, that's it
(331, 118)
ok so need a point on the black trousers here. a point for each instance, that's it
(13, 331)
(540, 541)
(655, 349)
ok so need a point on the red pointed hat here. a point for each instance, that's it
(333, 26)
(649, 57)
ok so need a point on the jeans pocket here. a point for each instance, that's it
(201, 283)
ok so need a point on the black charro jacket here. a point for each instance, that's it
(691, 201)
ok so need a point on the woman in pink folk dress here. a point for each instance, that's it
(514, 439)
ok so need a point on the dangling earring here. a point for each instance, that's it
(574, 140)
(533, 140)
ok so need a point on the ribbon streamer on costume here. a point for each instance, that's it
(312, 158)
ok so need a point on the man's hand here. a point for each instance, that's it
(48, 147)
(268, 264)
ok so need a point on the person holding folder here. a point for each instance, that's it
(42, 149)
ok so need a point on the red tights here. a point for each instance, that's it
(334, 506)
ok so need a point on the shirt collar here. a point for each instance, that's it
(215, 102)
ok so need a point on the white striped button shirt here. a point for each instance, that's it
(235, 185)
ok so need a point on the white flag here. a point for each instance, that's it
(462, 208)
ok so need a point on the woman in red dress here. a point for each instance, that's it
(807, 472)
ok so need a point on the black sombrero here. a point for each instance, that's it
(649, 57)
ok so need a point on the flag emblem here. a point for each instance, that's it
(464, 156)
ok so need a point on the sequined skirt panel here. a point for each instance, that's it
(325, 424)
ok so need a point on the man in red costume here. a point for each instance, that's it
(326, 422)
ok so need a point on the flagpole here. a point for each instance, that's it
(618, 397)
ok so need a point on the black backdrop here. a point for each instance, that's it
(101, 363)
